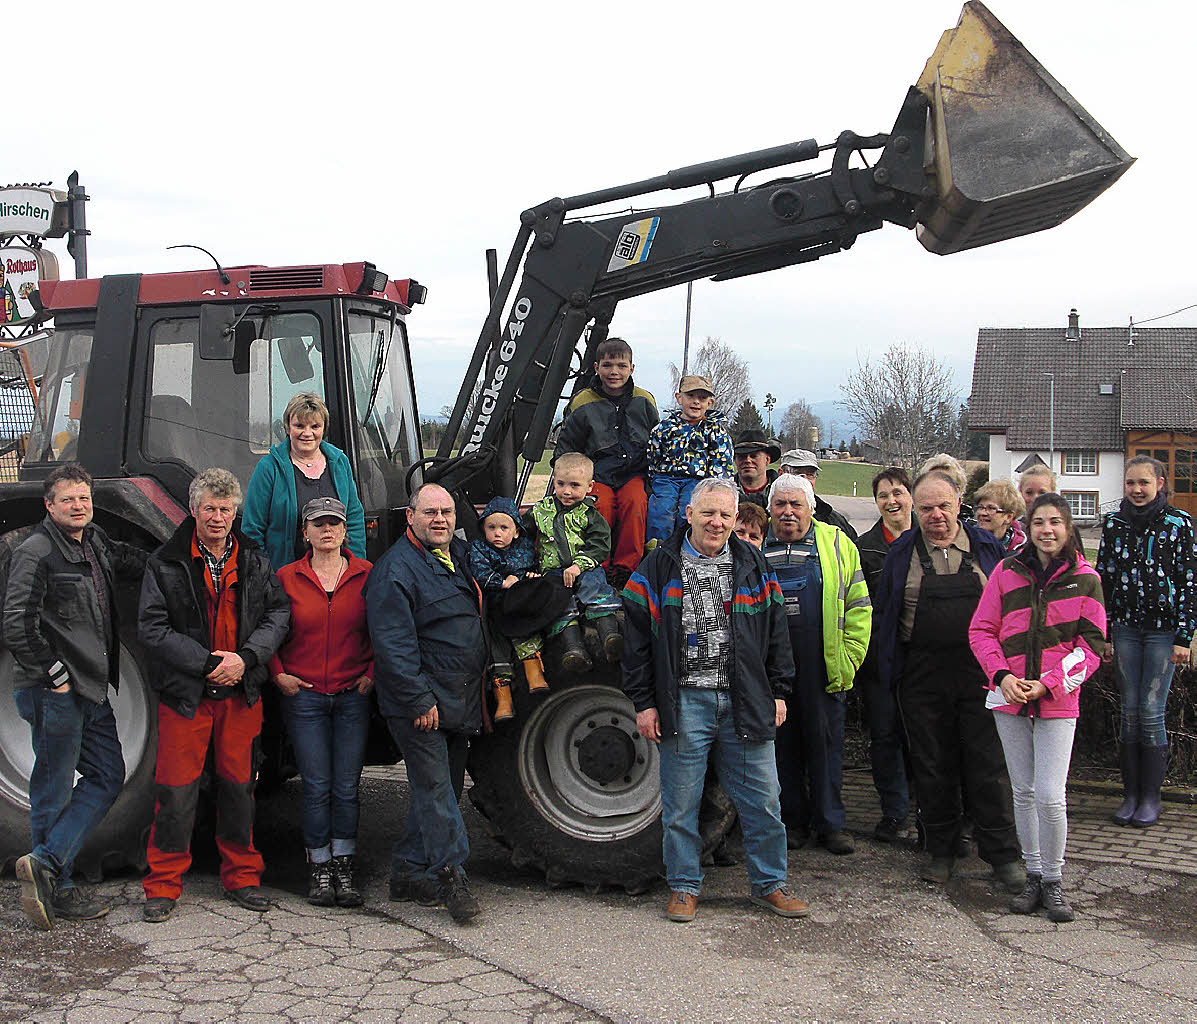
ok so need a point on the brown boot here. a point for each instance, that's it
(504, 712)
(534, 673)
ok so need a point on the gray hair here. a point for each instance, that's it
(715, 483)
(787, 483)
(219, 483)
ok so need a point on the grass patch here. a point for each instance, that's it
(838, 478)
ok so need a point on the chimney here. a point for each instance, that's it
(1074, 326)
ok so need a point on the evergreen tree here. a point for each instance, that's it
(748, 417)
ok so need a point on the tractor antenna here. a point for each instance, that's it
(224, 278)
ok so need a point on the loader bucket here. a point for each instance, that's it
(1011, 151)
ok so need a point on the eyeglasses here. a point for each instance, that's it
(991, 509)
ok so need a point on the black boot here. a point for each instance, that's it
(1031, 897)
(1056, 903)
(320, 885)
(1153, 764)
(610, 637)
(456, 895)
(573, 652)
(1128, 760)
(342, 881)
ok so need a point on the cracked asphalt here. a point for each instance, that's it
(879, 946)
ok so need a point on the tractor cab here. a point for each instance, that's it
(159, 376)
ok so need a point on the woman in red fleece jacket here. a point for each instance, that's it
(1038, 632)
(325, 670)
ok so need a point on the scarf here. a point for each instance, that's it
(1141, 518)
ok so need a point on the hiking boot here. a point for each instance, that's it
(1031, 897)
(782, 902)
(1057, 907)
(157, 909)
(837, 842)
(534, 675)
(455, 892)
(320, 886)
(37, 891)
(249, 897)
(342, 881)
(1012, 875)
(610, 638)
(888, 830)
(504, 712)
(418, 890)
(74, 904)
(937, 869)
(574, 658)
(681, 907)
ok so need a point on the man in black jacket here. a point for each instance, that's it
(425, 615)
(60, 624)
(804, 463)
(707, 665)
(212, 614)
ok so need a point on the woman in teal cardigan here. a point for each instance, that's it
(304, 462)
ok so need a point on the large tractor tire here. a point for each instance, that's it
(120, 839)
(573, 790)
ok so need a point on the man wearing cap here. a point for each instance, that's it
(212, 615)
(690, 444)
(754, 451)
(804, 463)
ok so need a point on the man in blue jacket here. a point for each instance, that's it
(707, 666)
(425, 616)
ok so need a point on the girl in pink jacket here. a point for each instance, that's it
(1038, 633)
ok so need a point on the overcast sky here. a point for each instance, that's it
(412, 135)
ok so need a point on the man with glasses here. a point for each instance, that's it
(212, 615)
(425, 616)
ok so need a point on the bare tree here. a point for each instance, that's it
(727, 371)
(905, 403)
(800, 426)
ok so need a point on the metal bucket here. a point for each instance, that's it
(1011, 151)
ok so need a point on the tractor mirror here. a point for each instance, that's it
(297, 364)
(216, 331)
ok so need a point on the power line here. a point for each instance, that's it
(1139, 323)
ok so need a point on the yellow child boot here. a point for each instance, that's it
(534, 673)
(504, 712)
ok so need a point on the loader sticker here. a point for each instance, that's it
(633, 244)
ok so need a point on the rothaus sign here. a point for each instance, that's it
(33, 211)
(21, 271)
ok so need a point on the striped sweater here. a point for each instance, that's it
(1054, 633)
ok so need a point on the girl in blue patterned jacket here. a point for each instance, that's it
(1148, 569)
(690, 444)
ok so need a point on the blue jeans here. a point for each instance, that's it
(1144, 670)
(592, 597)
(434, 835)
(328, 734)
(667, 504)
(69, 734)
(748, 773)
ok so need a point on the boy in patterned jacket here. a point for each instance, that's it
(692, 443)
(574, 540)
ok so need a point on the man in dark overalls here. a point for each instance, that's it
(930, 585)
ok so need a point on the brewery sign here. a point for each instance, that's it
(21, 271)
(33, 211)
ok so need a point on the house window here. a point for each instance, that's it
(1183, 466)
(1083, 504)
(1080, 462)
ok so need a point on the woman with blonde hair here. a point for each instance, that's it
(294, 472)
(999, 510)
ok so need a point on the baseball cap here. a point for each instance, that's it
(800, 458)
(323, 507)
(693, 382)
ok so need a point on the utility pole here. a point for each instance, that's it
(770, 401)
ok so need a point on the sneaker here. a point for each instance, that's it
(938, 870)
(320, 885)
(1031, 897)
(1012, 875)
(681, 907)
(157, 909)
(455, 892)
(74, 904)
(837, 842)
(888, 830)
(783, 903)
(416, 890)
(1058, 908)
(347, 893)
(37, 891)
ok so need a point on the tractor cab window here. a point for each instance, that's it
(55, 433)
(200, 413)
(384, 415)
